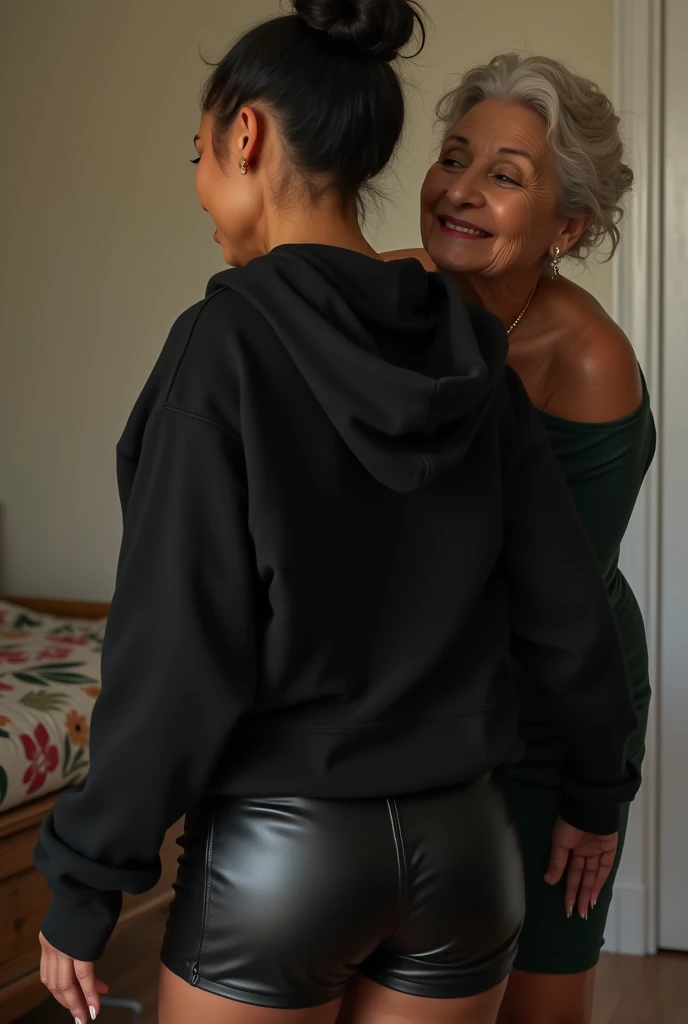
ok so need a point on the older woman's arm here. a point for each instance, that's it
(606, 435)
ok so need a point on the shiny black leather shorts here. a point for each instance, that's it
(280, 902)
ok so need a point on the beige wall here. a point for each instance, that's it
(103, 243)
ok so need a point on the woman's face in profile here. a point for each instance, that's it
(229, 197)
(490, 203)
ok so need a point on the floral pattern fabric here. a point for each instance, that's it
(49, 680)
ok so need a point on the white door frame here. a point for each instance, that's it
(673, 709)
(639, 34)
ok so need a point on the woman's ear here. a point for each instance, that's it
(248, 135)
(572, 232)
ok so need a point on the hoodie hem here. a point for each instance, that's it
(385, 759)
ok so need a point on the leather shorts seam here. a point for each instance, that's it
(402, 867)
(252, 997)
(208, 887)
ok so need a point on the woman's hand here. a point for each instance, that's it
(587, 861)
(72, 982)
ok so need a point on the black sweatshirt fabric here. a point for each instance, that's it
(341, 521)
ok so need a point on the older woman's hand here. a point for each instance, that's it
(72, 982)
(587, 861)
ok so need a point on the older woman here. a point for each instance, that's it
(530, 171)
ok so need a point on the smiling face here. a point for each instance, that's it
(490, 203)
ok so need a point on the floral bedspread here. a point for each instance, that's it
(49, 680)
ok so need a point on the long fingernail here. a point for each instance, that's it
(92, 1011)
(593, 904)
(77, 1020)
(569, 912)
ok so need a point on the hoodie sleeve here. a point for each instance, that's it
(179, 668)
(563, 630)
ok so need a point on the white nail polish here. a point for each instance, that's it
(77, 1020)
(92, 1011)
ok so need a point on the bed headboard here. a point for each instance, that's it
(63, 609)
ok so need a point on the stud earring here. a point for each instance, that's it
(556, 259)
(243, 166)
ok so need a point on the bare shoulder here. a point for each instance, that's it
(405, 254)
(595, 376)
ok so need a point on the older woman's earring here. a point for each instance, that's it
(243, 166)
(556, 259)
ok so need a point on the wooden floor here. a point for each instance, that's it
(630, 990)
(643, 990)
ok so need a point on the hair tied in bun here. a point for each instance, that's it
(381, 28)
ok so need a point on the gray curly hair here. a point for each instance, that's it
(583, 132)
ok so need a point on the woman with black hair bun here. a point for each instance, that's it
(340, 515)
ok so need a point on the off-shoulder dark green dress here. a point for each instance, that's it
(605, 465)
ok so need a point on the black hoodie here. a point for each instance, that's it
(340, 517)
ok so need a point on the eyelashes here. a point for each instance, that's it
(505, 179)
(197, 160)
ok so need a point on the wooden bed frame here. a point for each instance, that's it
(24, 895)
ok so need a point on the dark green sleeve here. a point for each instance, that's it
(604, 465)
(563, 630)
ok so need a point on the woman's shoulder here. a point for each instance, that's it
(594, 375)
(406, 254)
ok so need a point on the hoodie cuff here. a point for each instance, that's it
(601, 820)
(597, 809)
(81, 928)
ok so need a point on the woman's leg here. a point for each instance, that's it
(548, 998)
(369, 1003)
(180, 1003)
(554, 973)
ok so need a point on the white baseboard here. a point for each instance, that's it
(627, 924)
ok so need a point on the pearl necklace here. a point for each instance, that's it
(524, 310)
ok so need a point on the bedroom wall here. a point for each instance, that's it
(103, 243)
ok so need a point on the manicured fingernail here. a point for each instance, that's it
(593, 904)
(92, 1011)
(584, 917)
(77, 1020)
(569, 912)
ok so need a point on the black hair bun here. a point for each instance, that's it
(380, 27)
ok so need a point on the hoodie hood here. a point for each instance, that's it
(403, 368)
